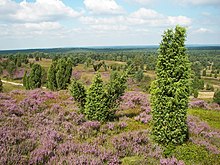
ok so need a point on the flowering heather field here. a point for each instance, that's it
(43, 127)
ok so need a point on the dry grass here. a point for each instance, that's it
(206, 95)
(151, 74)
(45, 63)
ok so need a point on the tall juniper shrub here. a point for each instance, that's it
(100, 100)
(170, 91)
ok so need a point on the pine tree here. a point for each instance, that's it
(95, 106)
(139, 75)
(1, 86)
(115, 88)
(25, 81)
(63, 74)
(216, 97)
(68, 72)
(170, 91)
(11, 67)
(51, 77)
(34, 79)
(78, 92)
(204, 72)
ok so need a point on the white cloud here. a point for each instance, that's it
(200, 2)
(144, 2)
(39, 11)
(103, 6)
(144, 13)
(153, 18)
(202, 30)
(179, 20)
(109, 27)
(30, 29)
(140, 21)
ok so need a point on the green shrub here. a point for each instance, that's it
(209, 87)
(194, 154)
(96, 102)
(1, 86)
(139, 75)
(51, 77)
(170, 91)
(195, 93)
(115, 88)
(59, 74)
(204, 72)
(78, 92)
(34, 79)
(99, 101)
(216, 97)
(25, 81)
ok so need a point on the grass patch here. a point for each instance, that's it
(196, 155)
(212, 117)
(9, 87)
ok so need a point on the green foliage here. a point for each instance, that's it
(170, 91)
(209, 87)
(196, 68)
(211, 117)
(216, 75)
(1, 70)
(96, 67)
(34, 79)
(59, 74)
(99, 101)
(11, 67)
(115, 88)
(139, 75)
(44, 77)
(25, 81)
(51, 77)
(96, 102)
(197, 83)
(195, 93)
(204, 72)
(1, 86)
(194, 154)
(216, 97)
(78, 92)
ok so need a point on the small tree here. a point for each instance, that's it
(25, 81)
(99, 101)
(216, 75)
(204, 72)
(78, 92)
(60, 74)
(95, 106)
(1, 86)
(195, 93)
(34, 79)
(11, 67)
(209, 87)
(216, 97)
(170, 91)
(139, 75)
(51, 77)
(115, 88)
(63, 73)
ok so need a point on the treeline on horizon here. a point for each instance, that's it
(153, 48)
(206, 56)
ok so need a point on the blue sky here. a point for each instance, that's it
(73, 23)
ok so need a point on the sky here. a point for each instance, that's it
(26, 24)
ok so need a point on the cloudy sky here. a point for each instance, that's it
(73, 23)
